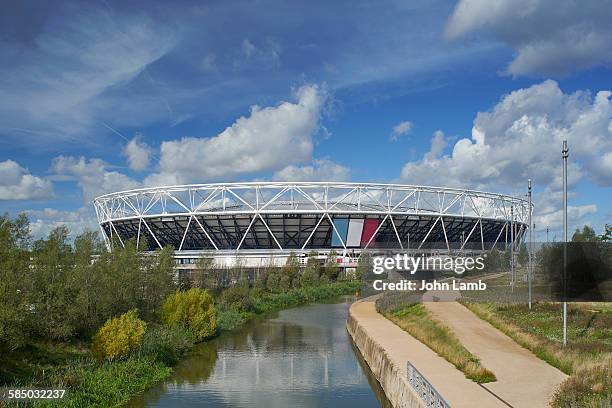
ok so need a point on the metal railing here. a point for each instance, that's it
(427, 392)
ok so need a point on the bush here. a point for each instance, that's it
(119, 336)
(324, 279)
(310, 277)
(273, 281)
(166, 345)
(285, 283)
(588, 387)
(230, 319)
(331, 268)
(193, 309)
(238, 298)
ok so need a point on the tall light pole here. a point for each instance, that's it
(512, 247)
(529, 267)
(565, 155)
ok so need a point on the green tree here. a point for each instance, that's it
(273, 281)
(284, 283)
(331, 268)
(14, 281)
(493, 260)
(52, 295)
(89, 282)
(158, 281)
(365, 267)
(204, 275)
(607, 234)
(290, 272)
(238, 298)
(124, 268)
(310, 276)
(586, 235)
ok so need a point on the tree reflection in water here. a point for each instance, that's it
(302, 357)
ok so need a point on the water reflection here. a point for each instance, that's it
(301, 358)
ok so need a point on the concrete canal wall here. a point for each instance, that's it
(387, 349)
(391, 377)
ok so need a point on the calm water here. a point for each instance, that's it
(303, 357)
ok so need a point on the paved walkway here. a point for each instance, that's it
(402, 347)
(523, 380)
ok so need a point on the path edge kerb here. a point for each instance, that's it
(393, 379)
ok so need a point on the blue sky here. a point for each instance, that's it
(104, 96)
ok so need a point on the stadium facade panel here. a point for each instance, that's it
(275, 218)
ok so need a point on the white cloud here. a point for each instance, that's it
(63, 83)
(266, 55)
(92, 176)
(555, 36)
(320, 170)
(516, 140)
(438, 144)
(209, 63)
(269, 139)
(402, 128)
(521, 138)
(138, 154)
(575, 214)
(78, 221)
(16, 183)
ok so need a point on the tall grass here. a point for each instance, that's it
(587, 358)
(423, 326)
(106, 385)
(295, 297)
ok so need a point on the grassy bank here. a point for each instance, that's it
(587, 358)
(423, 326)
(91, 384)
(260, 303)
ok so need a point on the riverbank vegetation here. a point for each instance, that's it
(107, 325)
(422, 325)
(587, 358)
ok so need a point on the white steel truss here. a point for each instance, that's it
(183, 211)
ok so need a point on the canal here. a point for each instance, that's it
(301, 357)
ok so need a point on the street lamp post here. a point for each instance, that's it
(529, 267)
(565, 155)
(512, 247)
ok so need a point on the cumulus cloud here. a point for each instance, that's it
(16, 183)
(320, 170)
(555, 36)
(438, 144)
(93, 176)
(78, 221)
(138, 154)
(521, 138)
(269, 139)
(402, 128)
(515, 140)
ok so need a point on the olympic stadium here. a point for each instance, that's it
(260, 221)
